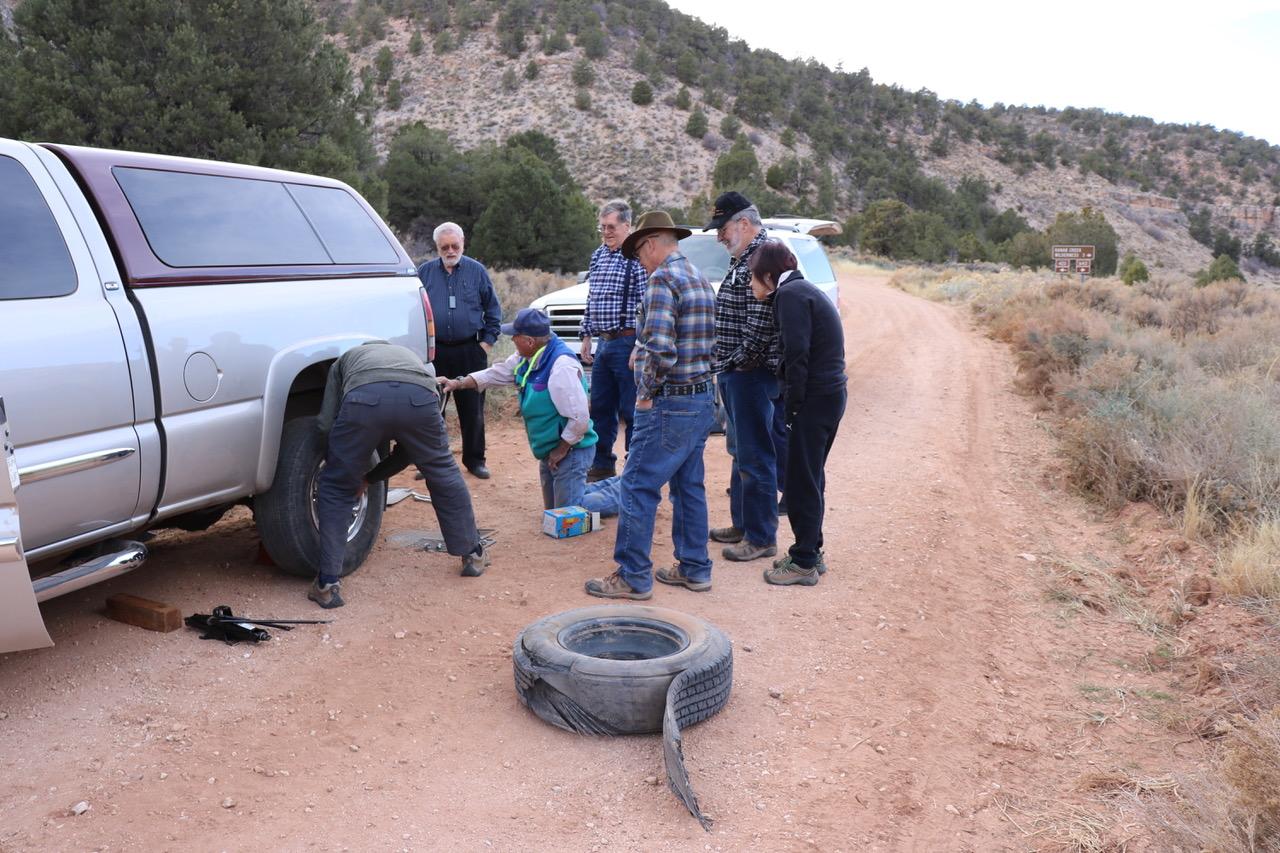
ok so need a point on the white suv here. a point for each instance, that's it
(565, 307)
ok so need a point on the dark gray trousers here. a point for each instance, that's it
(372, 415)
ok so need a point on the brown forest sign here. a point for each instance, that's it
(1073, 259)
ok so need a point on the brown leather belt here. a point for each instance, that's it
(617, 333)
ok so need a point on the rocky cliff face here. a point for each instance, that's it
(617, 148)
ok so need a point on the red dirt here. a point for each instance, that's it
(933, 695)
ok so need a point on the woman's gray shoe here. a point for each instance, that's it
(785, 573)
(821, 567)
(326, 595)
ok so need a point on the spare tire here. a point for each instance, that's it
(626, 669)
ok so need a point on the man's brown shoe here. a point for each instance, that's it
(785, 573)
(675, 577)
(726, 534)
(745, 551)
(615, 587)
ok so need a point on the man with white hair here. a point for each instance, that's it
(468, 321)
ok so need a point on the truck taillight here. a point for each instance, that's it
(431, 324)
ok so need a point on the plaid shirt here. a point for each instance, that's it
(677, 328)
(613, 293)
(746, 332)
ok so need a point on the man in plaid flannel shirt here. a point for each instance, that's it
(746, 364)
(673, 419)
(615, 285)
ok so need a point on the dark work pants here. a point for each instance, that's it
(456, 362)
(371, 415)
(813, 431)
(613, 397)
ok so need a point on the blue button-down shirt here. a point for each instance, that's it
(463, 302)
(615, 286)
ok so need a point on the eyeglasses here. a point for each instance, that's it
(609, 229)
(449, 247)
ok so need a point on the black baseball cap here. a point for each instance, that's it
(726, 206)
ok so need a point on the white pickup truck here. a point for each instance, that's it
(166, 327)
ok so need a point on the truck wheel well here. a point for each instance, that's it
(307, 391)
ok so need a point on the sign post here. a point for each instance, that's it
(1067, 259)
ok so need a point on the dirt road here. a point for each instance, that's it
(931, 697)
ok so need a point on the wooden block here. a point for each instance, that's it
(152, 615)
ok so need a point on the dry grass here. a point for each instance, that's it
(1167, 393)
(1233, 807)
(1250, 566)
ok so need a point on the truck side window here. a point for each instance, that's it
(195, 220)
(344, 226)
(34, 260)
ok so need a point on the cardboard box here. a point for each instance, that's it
(566, 521)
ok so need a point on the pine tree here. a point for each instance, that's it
(642, 93)
(253, 81)
(697, 125)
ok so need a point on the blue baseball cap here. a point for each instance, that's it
(529, 321)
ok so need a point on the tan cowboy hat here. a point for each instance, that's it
(648, 223)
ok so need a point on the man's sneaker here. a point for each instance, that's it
(726, 534)
(473, 564)
(615, 587)
(785, 573)
(745, 551)
(326, 595)
(675, 577)
(597, 474)
(821, 567)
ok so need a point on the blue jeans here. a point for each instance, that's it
(603, 496)
(565, 485)
(666, 449)
(613, 397)
(753, 481)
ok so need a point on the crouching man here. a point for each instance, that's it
(378, 392)
(553, 402)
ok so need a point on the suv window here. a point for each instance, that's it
(195, 220)
(34, 260)
(344, 226)
(813, 260)
(211, 221)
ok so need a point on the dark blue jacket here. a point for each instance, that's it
(475, 312)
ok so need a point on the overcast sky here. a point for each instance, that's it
(1214, 63)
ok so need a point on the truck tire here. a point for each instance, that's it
(606, 670)
(285, 513)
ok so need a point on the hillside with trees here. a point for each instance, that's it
(627, 99)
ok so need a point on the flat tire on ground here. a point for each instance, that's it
(284, 513)
(607, 669)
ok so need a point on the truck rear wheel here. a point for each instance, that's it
(286, 515)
